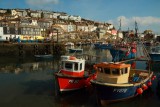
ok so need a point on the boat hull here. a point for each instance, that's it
(112, 93)
(75, 50)
(70, 83)
(119, 55)
(155, 57)
(44, 56)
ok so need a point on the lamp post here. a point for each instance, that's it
(57, 33)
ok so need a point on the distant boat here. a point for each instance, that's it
(74, 74)
(155, 53)
(102, 45)
(44, 56)
(75, 50)
(123, 52)
(69, 44)
(72, 50)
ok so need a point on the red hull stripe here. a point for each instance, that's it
(66, 84)
(81, 73)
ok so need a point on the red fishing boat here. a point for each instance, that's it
(73, 75)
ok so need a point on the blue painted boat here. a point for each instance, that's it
(105, 46)
(96, 45)
(117, 81)
(72, 50)
(119, 54)
(155, 53)
(46, 56)
(102, 45)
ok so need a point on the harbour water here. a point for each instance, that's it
(26, 82)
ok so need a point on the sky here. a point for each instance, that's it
(145, 12)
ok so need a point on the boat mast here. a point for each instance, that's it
(136, 30)
(119, 25)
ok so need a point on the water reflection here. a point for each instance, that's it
(30, 82)
(21, 66)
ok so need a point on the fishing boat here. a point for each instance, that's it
(155, 53)
(123, 51)
(124, 48)
(105, 46)
(75, 49)
(45, 56)
(118, 81)
(69, 44)
(102, 45)
(74, 74)
(72, 50)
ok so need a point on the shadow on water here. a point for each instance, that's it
(39, 87)
(78, 98)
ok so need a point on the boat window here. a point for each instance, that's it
(62, 65)
(115, 71)
(68, 65)
(76, 66)
(124, 70)
(80, 66)
(107, 70)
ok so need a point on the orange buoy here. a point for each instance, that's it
(139, 90)
(134, 50)
(152, 78)
(144, 87)
(127, 53)
(72, 58)
(149, 83)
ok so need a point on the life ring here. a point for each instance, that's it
(47, 46)
(35, 46)
(21, 53)
(21, 47)
(36, 52)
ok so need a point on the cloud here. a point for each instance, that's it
(39, 3)
(148, 22)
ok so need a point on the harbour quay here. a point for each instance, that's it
(30, 49)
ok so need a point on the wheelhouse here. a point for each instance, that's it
(72, 65)
(113, 73)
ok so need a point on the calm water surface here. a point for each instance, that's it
(30, 83)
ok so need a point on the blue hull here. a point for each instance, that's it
(105, 46)
(119, 55)
(114, 93)
(155, 57)
(75, 50)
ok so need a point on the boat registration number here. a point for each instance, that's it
(73, 81)
(120, 90)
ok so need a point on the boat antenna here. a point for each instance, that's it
(119, 25)
(136, 29)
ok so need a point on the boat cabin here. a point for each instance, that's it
(115, 73)
(72, 66)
